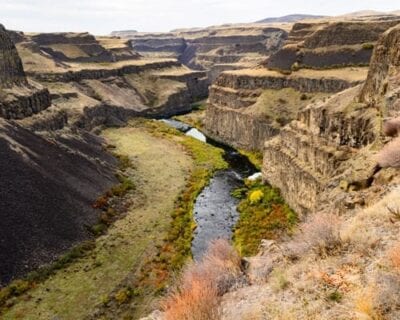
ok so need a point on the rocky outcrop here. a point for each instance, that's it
(383, 78)
(247, 107)
(11, 70)
(328, 149)
(77, 47)
(120, 49)
(324, 45)
(22, 102)
(216, 48)
(237, 129)
(265, 79)
(20, 98)
(309, 152)
(166, 44)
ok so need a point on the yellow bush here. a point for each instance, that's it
(122, 296)
(256, 196)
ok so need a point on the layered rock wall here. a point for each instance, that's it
(329, 44)
(346, 128)
(234, 116)
(19, 98)
(212, 49)
(99, 73)
(11, 70)
(307, 155)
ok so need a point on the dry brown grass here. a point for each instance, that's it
(387, 298)
(198, 292)
(394, 256)
(389, 156)
(320, 233)
(365, 305)
(391, 127)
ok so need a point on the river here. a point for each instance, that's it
(215, 211)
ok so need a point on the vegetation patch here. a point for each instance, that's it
(255, 157)
(194, 118)
(174, 252)
(177, 245)
(263, 215)
(10, 293)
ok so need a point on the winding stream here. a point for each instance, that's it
(215, 211)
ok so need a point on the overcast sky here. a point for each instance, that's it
(104, 16)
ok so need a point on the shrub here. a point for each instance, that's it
(386, 299)
(199, 290)
(321, 234)
(122, 296)
(391, 127)
(201, 302)
(295, 66)
(389, 156)
(282, 101)
(335, 296)
(368, 46)
(365, 305)
(303, 97)
(279, 279)
(256, 196)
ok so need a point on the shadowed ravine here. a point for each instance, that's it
(215, 211)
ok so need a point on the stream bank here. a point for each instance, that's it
(215, 209)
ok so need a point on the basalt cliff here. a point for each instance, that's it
(340, 263)
(249, 106)
(213, 49)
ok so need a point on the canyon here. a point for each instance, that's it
(101, 201)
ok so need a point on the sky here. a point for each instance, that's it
(100, 17)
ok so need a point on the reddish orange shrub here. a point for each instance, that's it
(197, 294)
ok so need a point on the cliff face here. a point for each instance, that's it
(20, 98)
(82, 47)
(11, 70)
(383, 77)
(329, 150)
(239, 115)
(329, 44)
(123, 85)
(247, 107)
(212, 49)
